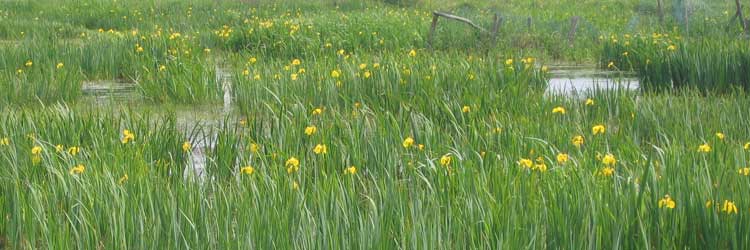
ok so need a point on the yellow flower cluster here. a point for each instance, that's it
(248, 170)
(667, 202)
(598, 129)
(729, 207)
(254, 148)
(266, 24)
(720, 135)
(78, 169)
(127, 136)
(225, 32)
(174, 35)
(539, 165)
(562, 158)
(527, 163)
(292, 165)
(446, 160)
(558, 110)
(36, 155)
(36, 150)
(609, 160)
(122, 179)
(577, 141)
(311, 130)
(350, 170)
(408, 142)
(607, 171)
(412, 53)
(320, 149)
(74, 150)
(366, 71)
(704, 148)
(589, 102)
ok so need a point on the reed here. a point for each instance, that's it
(345, 131)
(664, 63)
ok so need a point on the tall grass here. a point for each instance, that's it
(99, 38)
(390, 82)
(398, 197)
(166, 66)
(29, 75)
(337, 140)
(664, 63)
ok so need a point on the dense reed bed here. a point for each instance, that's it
(663, 62)
(656, 171)
(342, 129)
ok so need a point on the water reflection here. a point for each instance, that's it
(210, 117)
(579, 81)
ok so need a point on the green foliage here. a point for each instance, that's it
(711, 66)
(341, 130)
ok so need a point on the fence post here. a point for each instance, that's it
(528, 23)
(432, 30)
(740, 16)
(496, 27)
(660, 9)
(685, 5)
(573, 29)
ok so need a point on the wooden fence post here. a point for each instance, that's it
(528, 23)
(573, 27)
(496, 28)
(432, 30)
(738, 15)
(660, 9)
(685, 6)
